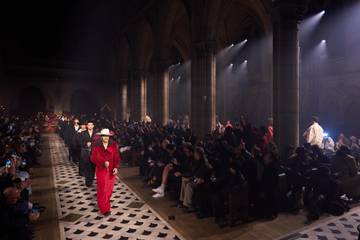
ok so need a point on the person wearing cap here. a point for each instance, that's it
(105, 156)
(314, 135)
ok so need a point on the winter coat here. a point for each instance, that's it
(111, 154)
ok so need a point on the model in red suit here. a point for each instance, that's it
(105, 156)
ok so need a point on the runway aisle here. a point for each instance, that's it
(79, 217)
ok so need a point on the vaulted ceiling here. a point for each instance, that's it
(82, 34)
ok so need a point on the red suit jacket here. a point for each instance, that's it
(99, 155)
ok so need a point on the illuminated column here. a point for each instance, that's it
(161, 92)
(286, 17)
(123, 99)
(203, 88)
(138, 95)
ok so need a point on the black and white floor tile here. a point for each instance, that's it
(131, 218)
(337, 228)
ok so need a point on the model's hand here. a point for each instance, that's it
(115, 171)
(88, 144)
(106, 164)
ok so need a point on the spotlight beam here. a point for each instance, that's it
(309, 25)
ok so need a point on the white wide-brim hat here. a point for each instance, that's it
(105, 132)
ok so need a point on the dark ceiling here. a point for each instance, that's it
(71, 32)
(43, 32)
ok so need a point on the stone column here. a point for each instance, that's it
(203, 88)
(2, 67)
(138, 95)
(161, 92)
(123, 88)
(187, 97)
(286, 17)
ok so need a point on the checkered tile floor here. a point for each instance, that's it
(337, 228)
(131, 218)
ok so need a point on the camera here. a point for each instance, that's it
(213, 179)
(34, 210)
(8, 163)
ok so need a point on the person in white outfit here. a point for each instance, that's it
(314, 135)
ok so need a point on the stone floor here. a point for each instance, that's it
(77, 208)
(335, 228)
(44, 193)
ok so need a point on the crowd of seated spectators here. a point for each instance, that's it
(236, 173)
(19, 153)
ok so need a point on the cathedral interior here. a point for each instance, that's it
(235, 82)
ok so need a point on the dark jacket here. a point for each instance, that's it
(99, 155)
(85, 138)
(344, 165)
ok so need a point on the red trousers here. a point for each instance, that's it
(105, 184)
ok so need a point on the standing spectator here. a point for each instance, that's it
(342, 141)
(328, 145)
(314, 134)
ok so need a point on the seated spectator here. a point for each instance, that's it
(318, 158)
(173, 162)
(14, 223)
(322, 194)
(342, 141)
(354, 147)
(345, 170)
(157, 165)
(343, 164)
(299, 161)
(193, 179)
(328, 146)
